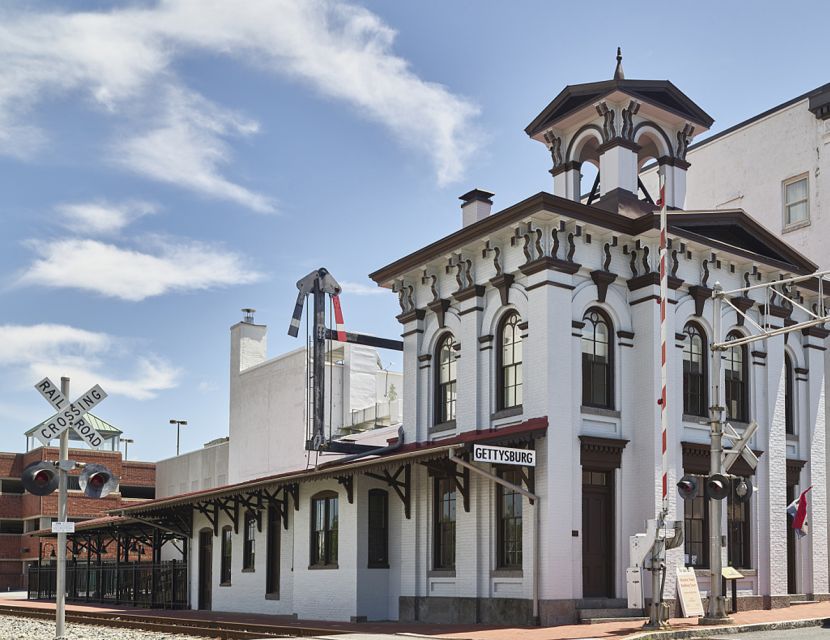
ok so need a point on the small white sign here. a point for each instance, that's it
(687, 589)
(504, 455)
(63, 527)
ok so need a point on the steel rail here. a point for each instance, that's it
(227, 630)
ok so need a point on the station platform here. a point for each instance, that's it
(770, 619)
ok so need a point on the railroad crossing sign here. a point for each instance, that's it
(69, 415)
(740, 446)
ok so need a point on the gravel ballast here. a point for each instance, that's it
(16, 628)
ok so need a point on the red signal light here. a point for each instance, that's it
(42, 478)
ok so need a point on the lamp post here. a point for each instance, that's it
(179, 424)
(127, 442)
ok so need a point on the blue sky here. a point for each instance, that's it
(163, 164)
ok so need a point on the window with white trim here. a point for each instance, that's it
(796, 201)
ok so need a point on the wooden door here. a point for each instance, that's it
(205, 568)
(597, 534)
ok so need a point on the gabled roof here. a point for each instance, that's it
(103, 427)
(723, 230)
(659, 92)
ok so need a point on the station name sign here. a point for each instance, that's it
(504, 455)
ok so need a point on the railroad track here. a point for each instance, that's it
(225, 630)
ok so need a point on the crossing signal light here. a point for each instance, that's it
(40, 478)
(717, 486)
(743, 489)
(97, 481)
(688, 487)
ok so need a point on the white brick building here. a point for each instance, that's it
(537, 326)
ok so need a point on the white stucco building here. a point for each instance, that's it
(534, 327)
(775, 165)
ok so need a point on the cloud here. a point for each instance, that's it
(56, 350)
(186, 149)
(124, 62)
(101, 217)
(133, 275)
(360, 289)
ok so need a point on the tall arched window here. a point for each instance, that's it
(445, 380)
(789, 399)
(510, 362)
(694, 371)
(736, 380)
(597, 360)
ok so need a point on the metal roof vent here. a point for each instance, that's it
(249, 315)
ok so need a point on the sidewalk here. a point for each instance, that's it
(687, 627)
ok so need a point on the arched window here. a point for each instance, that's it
(597, 360)
(445, 380)
(510, 362)
(789, 399)
(694, 371)
(736, 380)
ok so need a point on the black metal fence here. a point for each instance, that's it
(156, 586)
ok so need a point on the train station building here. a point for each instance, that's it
(535, 327)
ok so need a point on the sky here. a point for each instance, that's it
(165, 164)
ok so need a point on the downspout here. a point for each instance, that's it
(371, 452)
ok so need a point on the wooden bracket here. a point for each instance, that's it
(347, 482)
(402, 487)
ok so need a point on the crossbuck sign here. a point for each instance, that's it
(69, 415)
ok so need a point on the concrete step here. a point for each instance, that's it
(593, 616)
(794, 603)
(602, 603)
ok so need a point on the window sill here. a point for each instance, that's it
(703, 572)
(688, 417)
(272, 596)
(792, 437)
(599, 411)
(248, 570)
(507, 573)
(738, 424)
(323, 567)
(507, 413)
(441, 573)
(225, 584)
(442, 427)
(795, 226)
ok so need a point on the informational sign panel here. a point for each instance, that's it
(690, 601)
(63, 527)
(504, 455)
(69, 415)
(731, 573)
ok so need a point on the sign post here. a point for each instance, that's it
(68, 415)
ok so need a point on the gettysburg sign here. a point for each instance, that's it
(69, 415)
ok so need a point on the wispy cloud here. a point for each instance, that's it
(124, 61)
(134, 275)
(186, 148)
(101, 217)
(86, 357)
(360, 289)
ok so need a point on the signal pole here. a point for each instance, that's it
(60, 581)
(716, 613)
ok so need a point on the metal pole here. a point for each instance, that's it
(60, 586)
(716, 609)
(319, 363)
(178, 433)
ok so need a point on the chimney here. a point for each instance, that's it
(248, 343)
(475, 206)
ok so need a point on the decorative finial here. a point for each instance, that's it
(618, 72)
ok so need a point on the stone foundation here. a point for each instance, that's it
(447, 610)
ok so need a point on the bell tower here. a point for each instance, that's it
(619, 126)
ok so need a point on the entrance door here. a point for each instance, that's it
(791, 586)
(597, 534)
(205, 567)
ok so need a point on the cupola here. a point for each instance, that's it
(619, 126)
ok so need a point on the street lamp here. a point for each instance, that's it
(179, 424)
(127, 442)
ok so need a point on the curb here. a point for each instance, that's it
(713, 632)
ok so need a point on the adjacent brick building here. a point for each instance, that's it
(22, 513)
